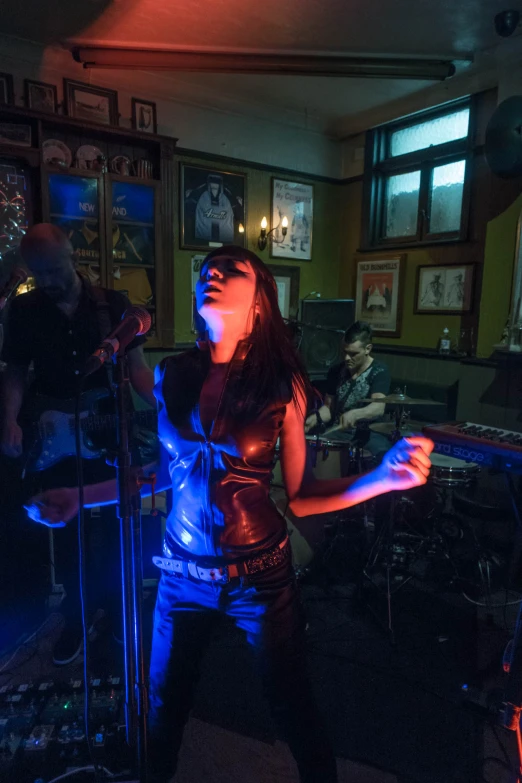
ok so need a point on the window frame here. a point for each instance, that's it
(379, 166)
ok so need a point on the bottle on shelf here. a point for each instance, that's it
(444, 341)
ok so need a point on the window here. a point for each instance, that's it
(416, 179)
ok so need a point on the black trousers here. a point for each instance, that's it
(270, 613)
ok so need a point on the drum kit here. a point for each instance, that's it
(412, 526)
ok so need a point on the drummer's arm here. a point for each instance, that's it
(324, 413)
(372, 411)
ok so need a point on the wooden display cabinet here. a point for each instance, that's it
(121, 225)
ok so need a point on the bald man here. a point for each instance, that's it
(56, 327)
(37, 331)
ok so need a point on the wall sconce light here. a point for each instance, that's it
(241, 228)
(264, 234)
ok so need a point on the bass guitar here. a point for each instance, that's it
(49, 429)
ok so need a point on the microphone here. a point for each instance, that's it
(18, 276)
(134, 321)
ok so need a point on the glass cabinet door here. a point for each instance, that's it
(112, 224)
(74, 205)
(15, 206)
(133, 266)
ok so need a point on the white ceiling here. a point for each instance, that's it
(448, 29)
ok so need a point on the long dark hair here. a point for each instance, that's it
(272, 363)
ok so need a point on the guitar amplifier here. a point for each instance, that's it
(323, 324)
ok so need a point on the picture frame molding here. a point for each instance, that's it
(69, 87)
(444, 311)
(294, 273)
(182, 239)
(515, 307)
(28, 83)
(272, 244)
(9, 81)
(134, 118)
(401, 258)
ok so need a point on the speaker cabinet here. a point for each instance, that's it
(323, 323)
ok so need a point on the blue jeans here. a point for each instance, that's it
(270, 613)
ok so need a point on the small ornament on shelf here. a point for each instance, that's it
(445, 342)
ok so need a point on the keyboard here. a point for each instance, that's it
(491, 446)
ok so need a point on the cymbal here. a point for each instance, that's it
(388, 427)
(401, 399)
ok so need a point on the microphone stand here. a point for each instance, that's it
(129, 514)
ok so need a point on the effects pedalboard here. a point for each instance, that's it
(42, 729)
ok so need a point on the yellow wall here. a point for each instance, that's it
(336, 239)
(499, 257)
(421, 331)
(319, 274)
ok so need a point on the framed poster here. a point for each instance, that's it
(295, 201)
(6, 88)
(40, 96)
(213, 207)
(90, 103)
(379, 292)
(287, 281)
(14, 133)
(144, 116)
(515, 314)
(444, 290)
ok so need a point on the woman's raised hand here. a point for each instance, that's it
(407, 464)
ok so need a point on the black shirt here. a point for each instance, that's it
(38, 331)
(348, 392)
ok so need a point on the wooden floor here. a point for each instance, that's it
(214, 754)
(209, 752)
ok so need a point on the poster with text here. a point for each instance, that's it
(378, 299)
(295, 201)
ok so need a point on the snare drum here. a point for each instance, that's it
(330, 458)
(336, 458)
(325, 456)
(451, 472)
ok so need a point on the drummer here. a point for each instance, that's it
(358, 377)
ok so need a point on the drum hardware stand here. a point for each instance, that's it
(384, 542)
(384, 545)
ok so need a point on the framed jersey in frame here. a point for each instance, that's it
(213, 208)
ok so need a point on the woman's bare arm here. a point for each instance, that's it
(406, 465)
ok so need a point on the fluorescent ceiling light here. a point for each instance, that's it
(265, 63)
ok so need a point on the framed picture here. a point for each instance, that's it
(196, 264)
(144, 116)
(6, 88)
(295, 201)
(445, 290)
(90, 103)
(379, 292)
(515, 314)
(213, 207)
(40, 96)
(287, 280)
(12, 133)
